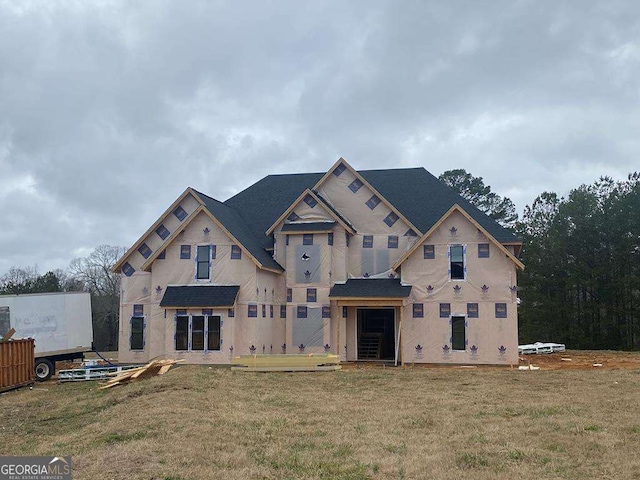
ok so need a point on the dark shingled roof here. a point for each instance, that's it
(424, 199)
(200, 296)
(240, 229)
(370, 288)
(308, 227)
(263, 202)
(417, 194)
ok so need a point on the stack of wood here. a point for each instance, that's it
(287, 363)
(151, 369)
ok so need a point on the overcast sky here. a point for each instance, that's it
(109, 110)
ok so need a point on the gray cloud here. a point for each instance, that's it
(109, 110)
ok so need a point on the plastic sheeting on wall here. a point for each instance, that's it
(308, 331)
(370, 255)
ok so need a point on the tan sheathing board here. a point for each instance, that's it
(509, 252)
(141, 288)
(261, 287)
(488, 333)
(189, 202)
(318, 212)
(331, 188)
(353, 206)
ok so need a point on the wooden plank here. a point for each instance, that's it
(286, 360)
(310, 368)
(9, 334)
(401, 339)
(151, 369)
(266, 363)
(289, 356)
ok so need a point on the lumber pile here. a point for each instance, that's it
(287, 363)
(151, 369)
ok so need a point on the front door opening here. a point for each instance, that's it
(376, 334)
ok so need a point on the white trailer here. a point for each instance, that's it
(60, 323)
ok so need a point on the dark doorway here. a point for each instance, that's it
(376, 334)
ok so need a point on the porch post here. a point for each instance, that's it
(339, 350)
(401, 338)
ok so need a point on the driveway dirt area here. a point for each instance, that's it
(568, 360)
(583, 359)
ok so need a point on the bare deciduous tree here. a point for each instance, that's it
(94, 273)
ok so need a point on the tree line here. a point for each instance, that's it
(90, 274)
(581, 283)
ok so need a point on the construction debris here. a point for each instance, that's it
(92, 373)
(540, 347)
(528, 367)
(8, 335)
(151, 369)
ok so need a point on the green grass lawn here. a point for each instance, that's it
(445, 423)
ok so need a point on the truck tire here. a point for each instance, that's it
(44, 369)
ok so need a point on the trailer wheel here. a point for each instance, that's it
(44, 369)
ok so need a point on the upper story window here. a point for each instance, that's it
(307, 239)
(429, 252)
(483, 250)
(355, 185)
(185, 252)
(312, 295)
(127, 269)
(339, 169)
(180, 213)
(203, 262)
(391, 219)
(236, 252)
(309, 200)
(144, 250)
(373, 202)
(456, 259)
(162, 232)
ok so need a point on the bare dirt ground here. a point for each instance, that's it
(583, 360)
(569, 360)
